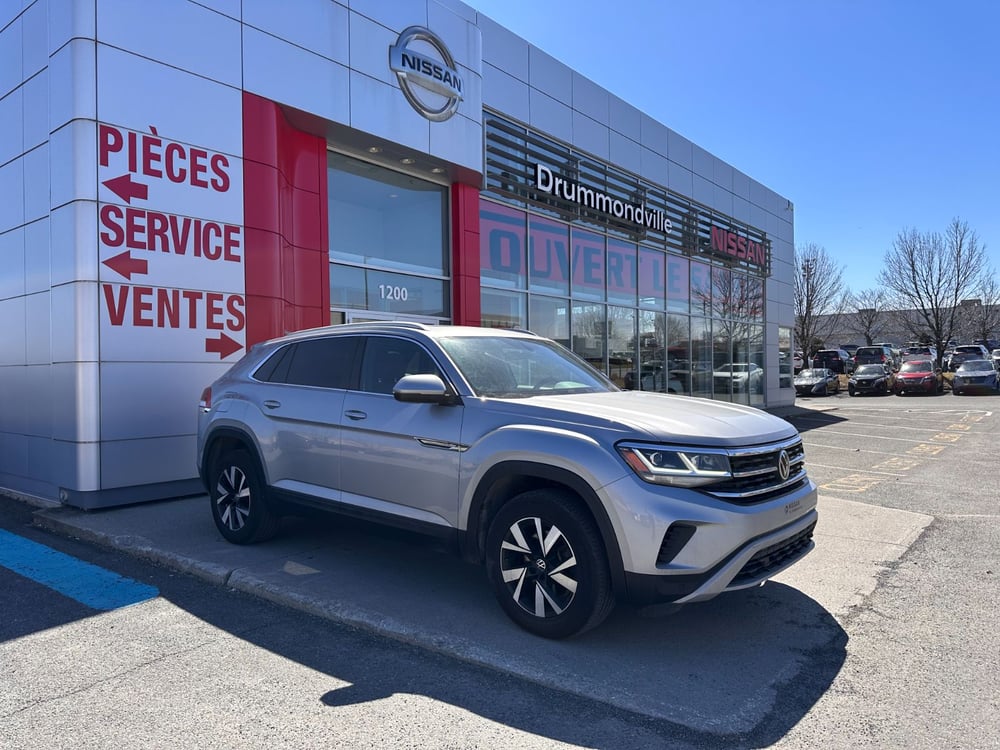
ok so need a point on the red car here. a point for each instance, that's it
(918, 376)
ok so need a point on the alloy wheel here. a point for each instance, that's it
(233, 498)
(538, 567)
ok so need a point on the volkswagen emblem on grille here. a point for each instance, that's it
(784, 465)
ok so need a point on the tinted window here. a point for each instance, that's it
(275, 368)
(386, 360)
(325, 363)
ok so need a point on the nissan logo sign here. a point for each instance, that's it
(432, 86)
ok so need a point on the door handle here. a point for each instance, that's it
(355, 414)
(272, 404)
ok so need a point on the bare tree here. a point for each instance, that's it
(984, 318)
(820, 297)
(929, 274)
(868, 314)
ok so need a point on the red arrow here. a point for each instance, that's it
(126, 189)
(223, 346)
(125, 265)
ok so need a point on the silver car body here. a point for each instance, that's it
(432, 463)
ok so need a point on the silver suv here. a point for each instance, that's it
(572, 492)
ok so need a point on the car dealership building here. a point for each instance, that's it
(291, 165)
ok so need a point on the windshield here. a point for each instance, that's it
(503, 367)
(820, 373)
(916, 367)
(975, 364)
(870, 370)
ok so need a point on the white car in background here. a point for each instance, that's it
(744, 375)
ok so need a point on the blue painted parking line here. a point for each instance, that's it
(88, 584)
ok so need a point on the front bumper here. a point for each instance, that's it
(915, 386)
(725, 545)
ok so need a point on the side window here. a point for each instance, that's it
(275, 369)
(324, 363)
(386, 360)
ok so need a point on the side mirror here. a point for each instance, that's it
(423, 389)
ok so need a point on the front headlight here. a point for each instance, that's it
(677, 467)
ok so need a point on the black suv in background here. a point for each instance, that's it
(833, 359)
(874, 355)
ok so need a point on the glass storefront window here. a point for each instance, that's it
(725, 368)
(388, 219)
(587, 263)
(621, 345)
(549, 317)
(347, 287)
(653, 373)
(678, 284)
(722, 292)
(679, 351)
(589, 331)
(652, 278)
(622, 272)
(702, 353)
(786, 363)
(500, 309)
(755, 343)
(502, 245)
(407, 295)
(549, 256)
(701, 288)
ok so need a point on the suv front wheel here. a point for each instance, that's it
(547, 565)
(239, 505)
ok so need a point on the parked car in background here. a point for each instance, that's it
(873, 378)
(918, 376)
(873, 355)
(744, 376)
(798, 361)
(995, 356)
(975, 376)
(571, 492)
(817, 381)
(849, 348)
(951, 362)
(918, 352)
(978, 350)
(836, 360)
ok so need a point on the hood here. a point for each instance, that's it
(975, 373)
(640, 415)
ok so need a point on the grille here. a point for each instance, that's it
(755, 474)
(774, 557)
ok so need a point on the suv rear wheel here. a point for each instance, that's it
(547, 565)
(239, 505)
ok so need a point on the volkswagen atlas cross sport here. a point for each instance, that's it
(573, 493)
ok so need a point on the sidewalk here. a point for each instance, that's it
(705, 666)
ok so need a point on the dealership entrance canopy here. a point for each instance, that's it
(293, 165)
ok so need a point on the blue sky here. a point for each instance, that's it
(872, 116)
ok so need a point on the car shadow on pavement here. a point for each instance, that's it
(738, 671)
(745, 666)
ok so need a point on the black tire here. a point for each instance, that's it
(851, 392)
(956, 392)
(240, 506)
(554, 593)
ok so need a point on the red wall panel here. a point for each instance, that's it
(465, 254)
(287, 257)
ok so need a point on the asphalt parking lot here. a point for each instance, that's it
(752, 663)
